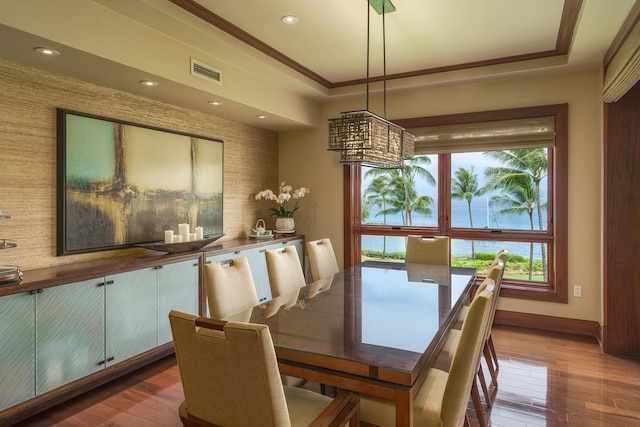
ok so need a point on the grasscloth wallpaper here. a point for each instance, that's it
(28, 101)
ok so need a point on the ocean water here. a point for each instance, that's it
(483, 217)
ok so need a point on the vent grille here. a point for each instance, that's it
(205, 71)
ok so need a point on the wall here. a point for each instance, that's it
(28, 102)
(304, 160)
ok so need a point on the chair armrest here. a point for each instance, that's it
(343, 410)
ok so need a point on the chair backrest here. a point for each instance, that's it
(322, 259)
(285, 270)
(428, 251)
(502, 255)
(230, 376)
(496, 272)
(230, 287)
(466, 359)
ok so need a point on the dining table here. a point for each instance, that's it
(374, 328)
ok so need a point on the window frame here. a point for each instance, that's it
(556, 289)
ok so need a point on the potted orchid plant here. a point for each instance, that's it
(284, 204)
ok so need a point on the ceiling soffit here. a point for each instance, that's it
(568, 21)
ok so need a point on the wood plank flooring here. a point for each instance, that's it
(545, 379)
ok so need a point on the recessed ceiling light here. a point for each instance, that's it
(148, 83)
(216, 103)
(261, 116)
(47, 51)
(289, 19)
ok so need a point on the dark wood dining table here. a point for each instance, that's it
(374, 328)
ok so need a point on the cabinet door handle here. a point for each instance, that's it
(158, 267)
(109, 282)
(102, 362)
(36, 291)
(196, 264)
(236, 252)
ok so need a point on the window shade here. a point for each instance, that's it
(623, 72)
(485, 136)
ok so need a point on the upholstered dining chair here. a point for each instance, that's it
(428, 250)
(494, 275)
(322, 258)
(446, 354)
(230, 377)
(285, 271)
(443, 397)
(285, 277)
(230, 288)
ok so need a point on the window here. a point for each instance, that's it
(487, 180)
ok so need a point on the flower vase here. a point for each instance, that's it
(285, 224)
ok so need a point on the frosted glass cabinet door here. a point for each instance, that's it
(177, 290)
(258, 264)
(17, 349)
(70, 333)
(132, 314)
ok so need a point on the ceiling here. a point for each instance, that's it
(321, 57)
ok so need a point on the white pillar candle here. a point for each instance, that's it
(183, 230)
(199, 233)
(192, 237)
(177, 238)
(168, 236)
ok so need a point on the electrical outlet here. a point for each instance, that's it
(577, 291)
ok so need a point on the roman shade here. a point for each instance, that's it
(509, 134)
(623, 72)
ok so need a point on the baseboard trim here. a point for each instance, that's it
(549, 323)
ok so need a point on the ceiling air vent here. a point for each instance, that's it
(205, 71)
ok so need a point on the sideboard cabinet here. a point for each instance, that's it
(67, 329)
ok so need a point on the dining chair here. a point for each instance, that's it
(450, 346)
(230, 377)
(285, 271)
(285, 277)
(443, 396)
(322, 259)
(230, 288)
(428, 250)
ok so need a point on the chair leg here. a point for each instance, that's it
(489, 359)
(477, 403)
(494, 355)
(483, 384)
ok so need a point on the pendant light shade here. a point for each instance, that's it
(365, 138)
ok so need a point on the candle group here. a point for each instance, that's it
(184, 234)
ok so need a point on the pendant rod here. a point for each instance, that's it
(384, 64)
(368, 32)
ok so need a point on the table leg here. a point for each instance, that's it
(404, 408)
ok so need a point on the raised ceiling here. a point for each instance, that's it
(323, 55)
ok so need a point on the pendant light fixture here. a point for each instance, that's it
(363, 137)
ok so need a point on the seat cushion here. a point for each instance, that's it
(304, 405)
(426, 405)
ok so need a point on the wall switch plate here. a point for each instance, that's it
(577, 291)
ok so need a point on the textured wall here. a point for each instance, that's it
(28, 102)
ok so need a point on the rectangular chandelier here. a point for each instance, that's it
(366, 138)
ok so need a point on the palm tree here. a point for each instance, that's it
(515, 200)
(401, 193)
(465, 187)
(521, 165)
(376, 195)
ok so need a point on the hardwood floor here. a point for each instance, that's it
(545, 379)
